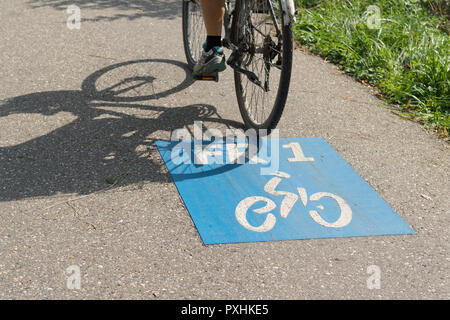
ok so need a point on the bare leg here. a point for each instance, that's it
(213, 11)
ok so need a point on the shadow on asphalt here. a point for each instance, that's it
(130, 9)
(104, 146)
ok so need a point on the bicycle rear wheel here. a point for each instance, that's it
(265, 49)
(194, 32)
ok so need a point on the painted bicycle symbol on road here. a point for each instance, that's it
(277, 191)
(289, 200)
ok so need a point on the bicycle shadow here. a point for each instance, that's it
(111, 141)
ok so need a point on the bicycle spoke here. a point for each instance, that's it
(272, 64)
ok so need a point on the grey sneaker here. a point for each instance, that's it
(211, 62)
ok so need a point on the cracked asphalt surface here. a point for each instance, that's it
(81, 181)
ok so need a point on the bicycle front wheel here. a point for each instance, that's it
(264, 44)
(194, 32)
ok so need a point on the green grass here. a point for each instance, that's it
(405, 53)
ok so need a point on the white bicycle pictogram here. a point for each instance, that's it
(289, 200)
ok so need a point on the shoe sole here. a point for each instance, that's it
(211, 67)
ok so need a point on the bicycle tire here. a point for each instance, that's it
(192, 38)
(278, 106)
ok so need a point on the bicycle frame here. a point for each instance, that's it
(288, 8)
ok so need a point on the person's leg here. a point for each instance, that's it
(213, 11)
(213, 58)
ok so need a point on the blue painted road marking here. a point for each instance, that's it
(312, 192)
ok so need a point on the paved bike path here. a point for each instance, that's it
(82, 183)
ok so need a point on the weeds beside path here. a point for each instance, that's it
(398, 46)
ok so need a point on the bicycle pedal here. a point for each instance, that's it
(208, 77)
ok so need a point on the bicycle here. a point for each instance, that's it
(259, 33)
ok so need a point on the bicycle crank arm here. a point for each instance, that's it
(252, 77)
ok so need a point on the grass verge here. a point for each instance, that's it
(399, 46)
